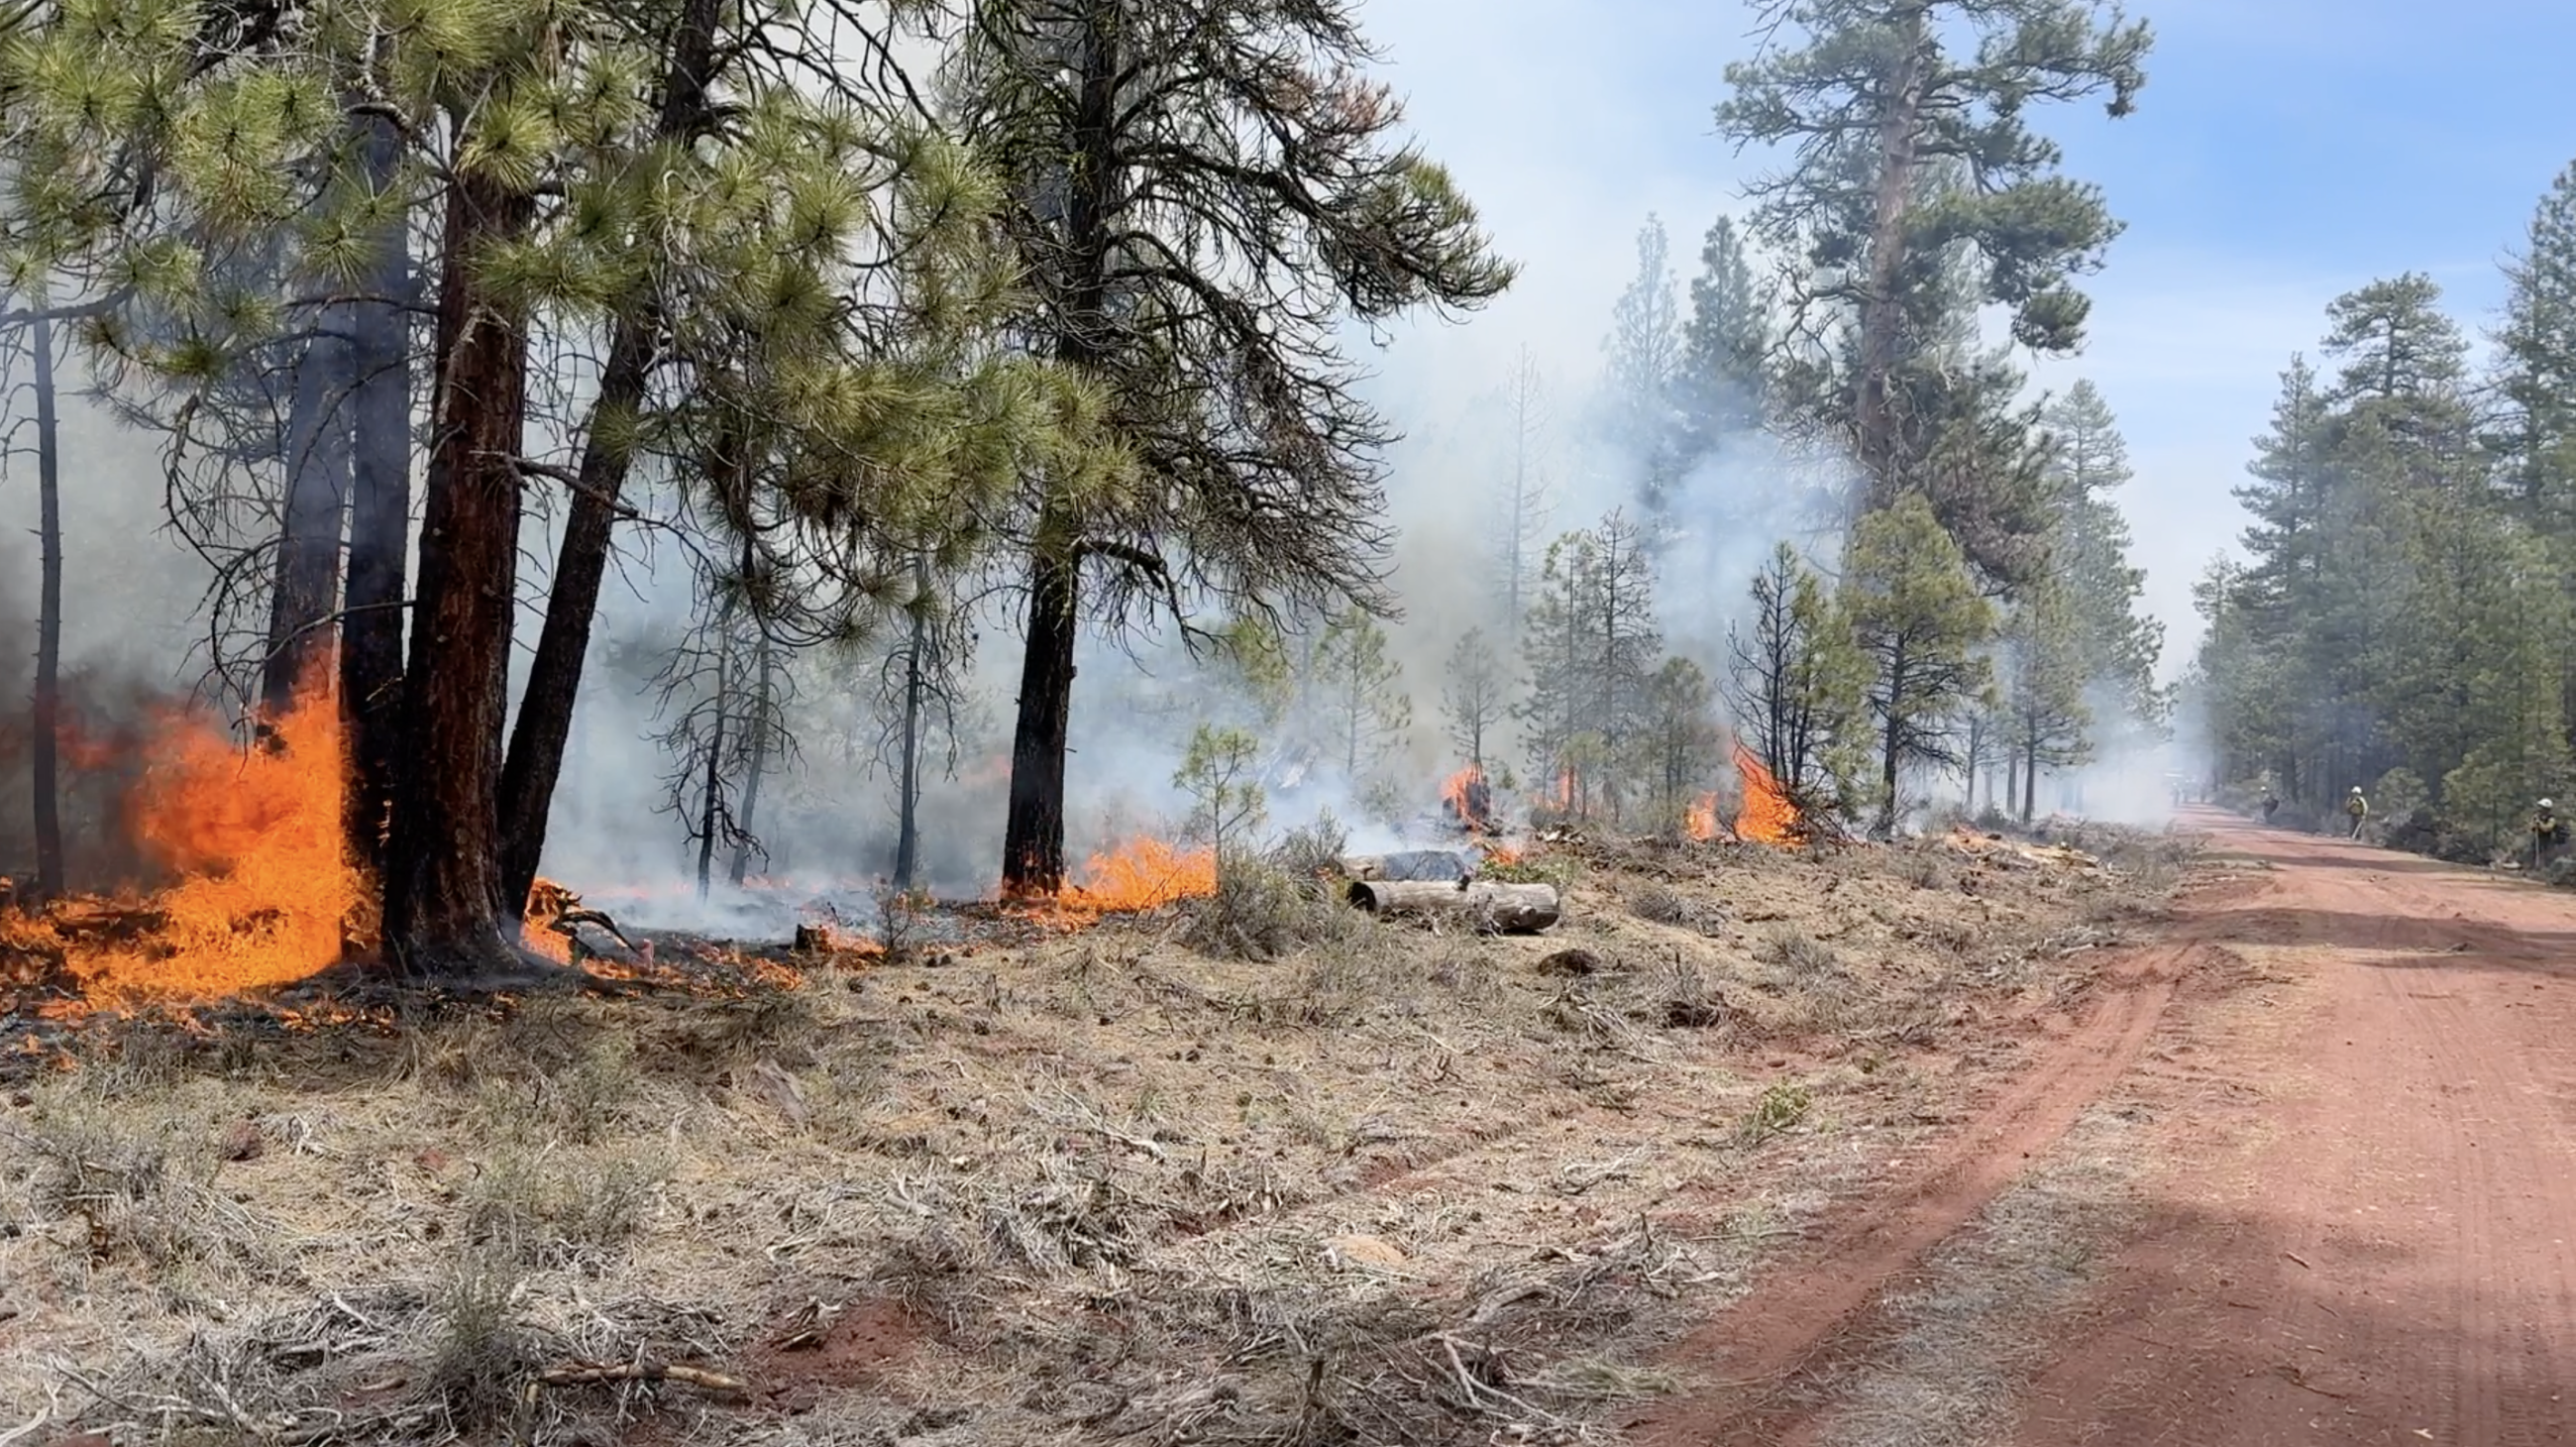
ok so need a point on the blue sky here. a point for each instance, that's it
(2284, 151)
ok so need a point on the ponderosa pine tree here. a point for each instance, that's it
(1523, 501)
(1363, 692)
(2534, 434)
(45, 721)
(1910, 161)
(1921, 626)
(1641, 365)
(2533, 431)
(1475, 696)
(610, 443)
(304, 594)
(1719, 385)
(2400, 612)
(1204, 192)
(2119, 644)
(2041, 712)
(809, 240)
(1794, 681)
(1679, 743)
(1556, 642)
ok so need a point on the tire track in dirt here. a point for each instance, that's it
(1823, 1303)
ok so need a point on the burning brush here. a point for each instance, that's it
(551, 927)
(1769, 815)
(1469, 800)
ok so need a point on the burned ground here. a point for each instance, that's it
(1398, 1184)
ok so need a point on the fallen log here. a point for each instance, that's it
(1431, 865)
(1504, 908)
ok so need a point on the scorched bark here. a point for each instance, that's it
(371, 631)
(444, 913)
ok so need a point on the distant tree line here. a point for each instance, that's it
(2403, 617)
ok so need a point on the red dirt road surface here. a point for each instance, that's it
(2359, 1222)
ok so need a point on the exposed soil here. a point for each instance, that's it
(2353, 1219)
(2369, 1234)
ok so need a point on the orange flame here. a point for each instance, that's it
(1470, 802)
(267, 893)
(1700, 818)
(547, 902)
(1768, 815)
(1142, 874)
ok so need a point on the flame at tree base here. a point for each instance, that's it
(1768, 815)
(267, 893)
(1469, 799)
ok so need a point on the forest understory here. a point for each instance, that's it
(1403, 1183)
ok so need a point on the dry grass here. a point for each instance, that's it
(1392, 1184)
(1969, 1332)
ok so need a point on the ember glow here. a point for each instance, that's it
(266, 892)
(1768, 817)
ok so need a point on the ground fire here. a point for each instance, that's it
(264, 891)
(1141, 874)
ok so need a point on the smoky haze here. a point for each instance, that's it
(1565, 187)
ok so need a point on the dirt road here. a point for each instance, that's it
(2360, 1222)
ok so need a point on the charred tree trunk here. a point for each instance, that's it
(48, 711)
(710, 801)
(537, 740)
(444, 912)
(763, 718)
(1033, 833)
(305, 594)
(907, 835)
(1882, 311)
(371, 628)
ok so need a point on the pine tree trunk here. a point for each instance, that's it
(1033, 833)
(1890, 754)
(757, 764)
(544, 727)
(907, 838)
(1882, 311)
(714, 783)
(2029, 780)
(444, 913)
(47, 721)
(371, 628)
(305, 592)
